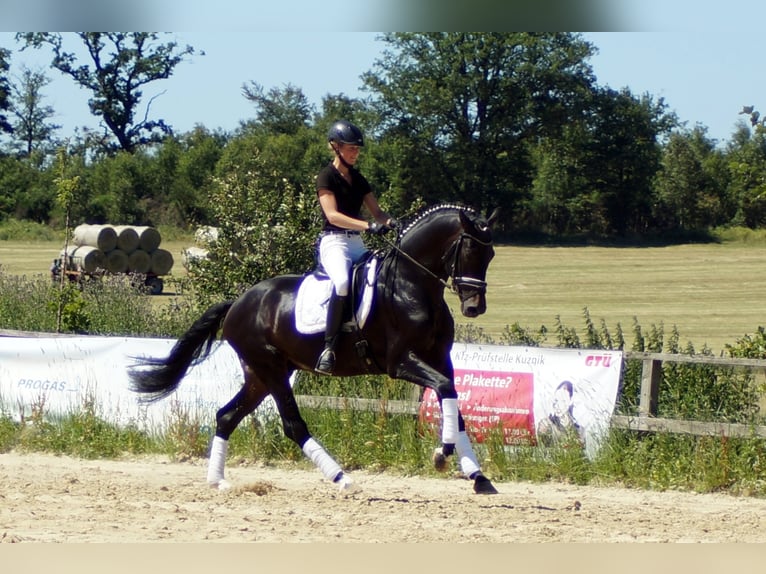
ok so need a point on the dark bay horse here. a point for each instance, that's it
(409, 334)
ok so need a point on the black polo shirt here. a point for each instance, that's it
(349, 197)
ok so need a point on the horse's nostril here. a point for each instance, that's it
(470, 311)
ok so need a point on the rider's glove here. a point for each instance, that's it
(376, 228)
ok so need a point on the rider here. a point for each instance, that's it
(342, 190)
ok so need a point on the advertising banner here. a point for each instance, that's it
(533, 395)
(57, 375)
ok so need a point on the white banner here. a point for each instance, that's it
(59, 374)
(536, 395)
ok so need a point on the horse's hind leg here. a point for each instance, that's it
(295, 428)
(228, 418)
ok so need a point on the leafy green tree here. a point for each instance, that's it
(623, 156)
(182, 173)
(461, 109)
(25, 191)
(267, 216)
(690, 195)
(5, 90)
(746, 155)
(280, 110)
(31, 127)
(561, 201)
(119, 188)
(122, 63)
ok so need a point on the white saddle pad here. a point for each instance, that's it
(314, 294)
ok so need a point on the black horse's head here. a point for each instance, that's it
(452, 243)
(472, 253)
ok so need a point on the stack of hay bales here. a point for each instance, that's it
(118, 249)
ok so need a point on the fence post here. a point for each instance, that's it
(651, 373)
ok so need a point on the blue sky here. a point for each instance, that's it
(704, 74)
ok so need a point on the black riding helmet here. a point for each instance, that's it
(346, 133)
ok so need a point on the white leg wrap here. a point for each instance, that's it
(323, 461)
(449, 421)
(465, 454)
(216, 464)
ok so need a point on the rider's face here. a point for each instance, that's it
(349, 152)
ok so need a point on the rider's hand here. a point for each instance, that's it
(376, 228)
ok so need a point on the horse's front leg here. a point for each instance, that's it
(454, 436)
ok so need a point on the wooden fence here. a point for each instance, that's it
(647, 420)
(651, 378)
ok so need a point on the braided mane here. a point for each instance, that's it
(431, 210)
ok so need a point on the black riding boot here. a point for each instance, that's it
(326, 362)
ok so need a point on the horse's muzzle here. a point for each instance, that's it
(473, 306)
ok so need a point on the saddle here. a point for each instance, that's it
(314, 293)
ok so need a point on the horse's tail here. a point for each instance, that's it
(157, 378)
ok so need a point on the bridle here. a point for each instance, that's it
(459, 282)
(473, 285)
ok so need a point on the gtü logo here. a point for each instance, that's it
(598, 360)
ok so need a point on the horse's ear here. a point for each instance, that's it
(493, 218)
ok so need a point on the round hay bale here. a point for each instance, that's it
(104, 237)
(116, 261)
(84, 258)
(149, 238)
(162, 261)
(127, 238)
(139, 261)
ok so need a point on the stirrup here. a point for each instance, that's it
(326, 362)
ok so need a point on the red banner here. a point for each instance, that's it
(532, 395)
(490, 400)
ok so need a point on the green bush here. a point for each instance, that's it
(108, 306)
(15, 230)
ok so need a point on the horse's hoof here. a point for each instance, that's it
(346, 484)
(221, 485)
(440, 461)
(482, 485)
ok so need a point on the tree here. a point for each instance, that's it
(623, 157)
(266, 212)
(122, 64)
(747, 163)
(280, 111)
(689, 193)
(182, 173)
(5, 90)
(31, 127)
(462, 108)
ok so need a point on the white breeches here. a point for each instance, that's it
(338, 252)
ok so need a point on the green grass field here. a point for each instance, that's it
(712, 293)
